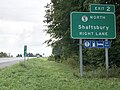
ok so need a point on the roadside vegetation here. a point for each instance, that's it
(66, 49)
(41, 74)
(4, 54)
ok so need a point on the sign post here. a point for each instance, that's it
(25, 52)
(99, 23)
(106, 59)
(81, 60)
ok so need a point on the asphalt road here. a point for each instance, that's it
(5, 62)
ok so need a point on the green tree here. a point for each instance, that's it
(58, 22)
(3, 54)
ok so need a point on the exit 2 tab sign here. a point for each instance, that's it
(102, 8)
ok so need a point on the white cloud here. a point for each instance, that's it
(21, 22)
(27, 10)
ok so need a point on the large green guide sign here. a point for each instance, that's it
(91, 25)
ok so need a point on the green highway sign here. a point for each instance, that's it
(91, 25)
(25, 50)
(102, 8)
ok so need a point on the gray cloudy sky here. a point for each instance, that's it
(21, 23)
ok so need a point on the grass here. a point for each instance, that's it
(40, 74)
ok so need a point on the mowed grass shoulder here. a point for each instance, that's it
(39, 74)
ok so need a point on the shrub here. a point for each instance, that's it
(51, 58)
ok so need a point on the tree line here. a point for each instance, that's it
(4, 54)
(67, 49)
(30, 55)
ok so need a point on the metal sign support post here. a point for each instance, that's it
(25, 58)
(106, 59)
(81, 61)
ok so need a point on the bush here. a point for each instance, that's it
(22, 64)
(101, 72)
(51, 58)
(73, 61)
(114, 72)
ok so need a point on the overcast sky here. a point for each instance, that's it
(21, 23)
